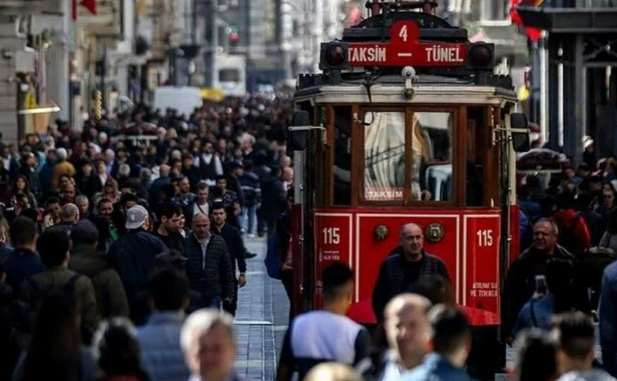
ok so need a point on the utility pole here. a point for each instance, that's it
(211, 40)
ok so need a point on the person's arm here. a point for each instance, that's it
(226, 273)
(89, 309)
(608, 319)
(240, 251)
(443, 270)
(118, 303)
(362, 346)
(583, 235)
(380, 293)
(287, 361)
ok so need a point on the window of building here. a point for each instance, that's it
(229, 75)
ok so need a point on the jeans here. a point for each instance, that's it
(214, 302)
(249, 219)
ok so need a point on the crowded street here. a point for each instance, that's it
(308, 190)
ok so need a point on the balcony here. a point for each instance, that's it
(563, 16)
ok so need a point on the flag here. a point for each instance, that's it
(90, 5)
(532, 33)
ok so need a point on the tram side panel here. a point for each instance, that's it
(467, 241)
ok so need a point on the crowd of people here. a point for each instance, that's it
(111, 236)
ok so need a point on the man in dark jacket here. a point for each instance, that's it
(133, 256)
(28, 169)
(399, 271)
(86, 260)
(526, 272)
(23, 261)
(208, 266)
(235, 247)
(274, 194)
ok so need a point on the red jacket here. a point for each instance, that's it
(564, 219)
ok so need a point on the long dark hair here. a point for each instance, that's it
(26, 190)
(56, 344)
(559, 280)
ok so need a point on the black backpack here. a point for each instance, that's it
(567, 236)
(39, 292)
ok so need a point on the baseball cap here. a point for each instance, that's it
(135, 217)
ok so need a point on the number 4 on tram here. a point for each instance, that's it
(415, 128)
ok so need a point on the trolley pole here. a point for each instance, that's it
(211, 40)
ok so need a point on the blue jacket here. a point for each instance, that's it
(608, 319)
(542, 309)
(161, 353)
(21, 264)
(251, 188)
(437, 368)
(133, 257)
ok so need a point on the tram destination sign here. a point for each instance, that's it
(406, 49)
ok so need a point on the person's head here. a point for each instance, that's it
(574, 334)
(105, 207)
(170, 218)
(117, 350)
(101, 168)
(53, 206)
(435, 288)
(110, 156)
(185, 185)
(332, 371)
(84, 233)
(61, 153)
(69, 192)
(548, 205)
(569, 172)
(5, 231)
(168, 290)
(137, 217)
(209, 343)
(187, 160)
(450, 333)
(407, 326)
(64, 181)
(86, 168)
(69, 214)
(545, 234)
(536, 356)
(559, 277)
(584, 170)
(237, 169)
(23, 233)
(53, 247)
(21, 184)
(583, 201)
(128, 201)
(201, 226)
(218, 215)
(221, 182)
(412, 239)
(565, 201)
(203, 192)
(83, 204)
(287, 174)
(608, 194)
(337, 280)
(164, 170)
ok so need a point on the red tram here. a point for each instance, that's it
(407, 123)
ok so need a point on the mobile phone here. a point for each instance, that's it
(541, 284)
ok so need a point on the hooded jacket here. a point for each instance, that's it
(110, 295)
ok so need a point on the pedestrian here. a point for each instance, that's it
(327, 334)
(536, 354)
(451, 341)
(162, 355)
(399, 271)
(169, 228)
(575, 236)
(252, 199)
(235, 248)
(53, 246)
(575, 335)
(133, 256)
(208, 340)
(118, 352)
(527, 275)
(208, 266)
(200, 205)
(23, 261)
(86, 260)
(56, 349)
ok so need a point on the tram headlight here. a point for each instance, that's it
(333, 56)
(481, 56)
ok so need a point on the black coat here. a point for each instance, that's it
(235, 246)
(391, 279)
(216, 279)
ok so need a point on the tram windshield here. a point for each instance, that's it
(385, 153)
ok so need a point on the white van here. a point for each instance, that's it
(183, 99)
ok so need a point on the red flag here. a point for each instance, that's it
(533, 33)
(90, 5)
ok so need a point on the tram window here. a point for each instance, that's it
(384, 156)
(476, 149)
(342, 155)
(431, 170)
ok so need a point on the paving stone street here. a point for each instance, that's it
(261, 319)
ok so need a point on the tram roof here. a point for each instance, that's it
(350, 60)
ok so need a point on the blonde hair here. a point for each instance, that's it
(332, 372)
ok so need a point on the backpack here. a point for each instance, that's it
(39, 292)
(567, 236)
